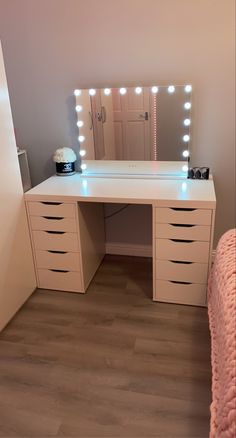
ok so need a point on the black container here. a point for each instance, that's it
(198, 173)
(65, 169)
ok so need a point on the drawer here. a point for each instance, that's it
(56, 209)
(55, 241)
(180, 293)
(58, 260)
(179, 231)
(59, 280)
(53, 223)
(182, 216)
(182, 251)
(190, 271)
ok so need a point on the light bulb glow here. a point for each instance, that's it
(81, 138)
(92, 92)
(186, 153)
(188, 88)
(83, 166)
(82, 152)
(138, 90)
(184, 184)
(80, 123)
(107, 91)
(123, 91)
(77, 92)
(187, 122)
(187, 105)
(78, 108)
(154, 89)
(186, 138)
(85, 183)
(171, 89)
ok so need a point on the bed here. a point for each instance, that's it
(222, 320)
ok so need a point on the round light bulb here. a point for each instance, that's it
(83, 166)
(188, 88)
(154, 90)
(187, 122)
(187, 105)
(77, 92)
(82, 152)
(78, 108)
(123, 91)
(186, 137)
(138, 90)
(186, 153)
(92, 92)
(80, 123)
(185, 168)
(81, 138)
(171, 89)
(107, 91)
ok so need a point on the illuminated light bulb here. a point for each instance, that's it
(78, 108)
(123, 91)
(187, 122)
(186, 153)
(83, 166)
(77, 92)
(92, 92)
(188, 88)
(186, 137)
(187, 105)
(80, 123)
(185, 168)
(107, 91)
(81, 138)
(82, 152)
(154, 90)
(171, 89)
(138, 90)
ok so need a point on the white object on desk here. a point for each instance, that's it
(183, 225)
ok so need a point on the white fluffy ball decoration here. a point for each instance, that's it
(64, 155)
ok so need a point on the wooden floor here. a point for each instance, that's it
(110, 363)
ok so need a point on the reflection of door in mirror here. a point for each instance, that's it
(142, 123)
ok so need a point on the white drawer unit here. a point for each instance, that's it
(68, 243)
(182, 243)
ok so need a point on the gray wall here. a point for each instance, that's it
(53, 46)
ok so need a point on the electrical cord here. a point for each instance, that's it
(117, 211)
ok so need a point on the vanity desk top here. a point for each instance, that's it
(162, 192)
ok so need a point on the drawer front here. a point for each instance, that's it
(69, 261)
(180, 293)
(191, 271)
(182, 216)
(188, 232)
(53, 224)
(56, 209)
(182, 251)
(58, 242)
(65, 281)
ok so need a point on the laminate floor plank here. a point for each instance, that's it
(109, 363)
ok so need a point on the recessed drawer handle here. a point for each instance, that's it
(183, 209)
(180, 282)
(55, 232)
(182, 240)
(56, 252)
(181, 262)
(59, 270)
(182, 225)
(51, 203)
(53, 218)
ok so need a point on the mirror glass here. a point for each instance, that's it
(134, 123)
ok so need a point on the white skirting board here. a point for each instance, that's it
(134, 250)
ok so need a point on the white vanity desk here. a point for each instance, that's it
(67, 231)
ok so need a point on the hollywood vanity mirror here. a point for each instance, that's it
(144, 130)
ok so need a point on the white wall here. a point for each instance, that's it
(52, 47)
(17, 278)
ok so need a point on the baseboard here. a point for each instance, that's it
(129, 249)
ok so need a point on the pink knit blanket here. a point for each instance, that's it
(222, 318)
